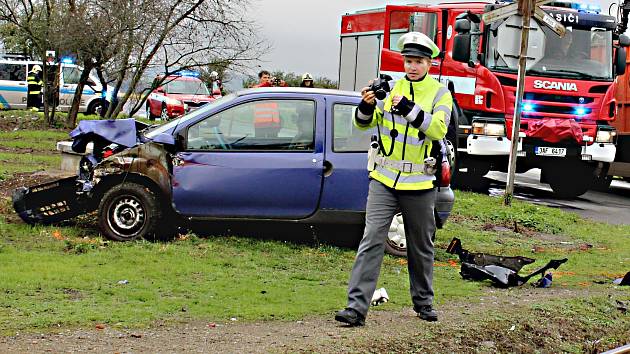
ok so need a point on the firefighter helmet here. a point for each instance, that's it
(36, 68)
(307, 77)
(416, 44)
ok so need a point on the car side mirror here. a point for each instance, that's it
(624, 41)
(461, 48)
(462, 26)
(620, 61)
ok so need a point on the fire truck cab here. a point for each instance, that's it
(178, 94)
(568, 103)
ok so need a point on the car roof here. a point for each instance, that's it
(302, 90)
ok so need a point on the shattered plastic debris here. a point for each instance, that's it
(623, 281)
(544, 282)
(380, 297)
(123, 282)
(501, 270)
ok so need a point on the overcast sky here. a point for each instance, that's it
(305, 33)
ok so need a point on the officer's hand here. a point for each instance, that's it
(368, 96)
(396, 100)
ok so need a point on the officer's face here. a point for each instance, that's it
(416, 67)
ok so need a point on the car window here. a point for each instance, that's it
(347, 137)
(71, 75)
(258, 125)
(12, 72)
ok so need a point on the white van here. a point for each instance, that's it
(13, 86)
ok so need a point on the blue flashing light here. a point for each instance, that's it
(581, 111)
(528, 107)
(67, 60)
(188, 73)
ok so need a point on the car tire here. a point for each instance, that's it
(94, 107)
(569, 181)
(396, 242)
(130, 211)
(164, 114)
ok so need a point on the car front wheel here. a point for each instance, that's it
(396, 242)
(129, 211)
(164, 114)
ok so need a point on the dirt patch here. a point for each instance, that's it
(516, 320)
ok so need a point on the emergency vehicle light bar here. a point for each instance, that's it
(67, 60)
(187, 73)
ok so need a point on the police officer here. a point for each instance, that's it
(410, 119)
(34, 95)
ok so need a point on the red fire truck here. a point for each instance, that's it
(569, 97)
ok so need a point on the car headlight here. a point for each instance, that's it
(605, 136)
(491, 129)
(173, 102)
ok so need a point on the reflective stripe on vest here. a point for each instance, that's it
(266, 115)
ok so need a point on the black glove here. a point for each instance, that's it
(404, 107)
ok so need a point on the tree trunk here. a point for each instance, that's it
(76, 100)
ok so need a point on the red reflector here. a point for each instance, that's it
(446, 174)
(107, 153)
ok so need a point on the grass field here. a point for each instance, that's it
(68, 276)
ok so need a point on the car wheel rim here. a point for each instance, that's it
(164, 115)
(127, 216)
(396, 236)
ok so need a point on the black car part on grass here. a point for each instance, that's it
(502, 271)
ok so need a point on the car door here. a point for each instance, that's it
(13, 87)
(232, 167)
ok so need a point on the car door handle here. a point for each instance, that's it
(328, 168)
(22, 83)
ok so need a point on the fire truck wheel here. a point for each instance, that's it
(129, 211)
(396, 242)
(569, 180)
(164, 113)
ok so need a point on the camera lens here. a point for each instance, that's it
(380, 94)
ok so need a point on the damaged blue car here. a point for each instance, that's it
(257, 157)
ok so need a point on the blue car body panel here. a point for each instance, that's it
(261, 184)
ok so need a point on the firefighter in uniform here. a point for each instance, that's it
(34, 95)
(410, 119)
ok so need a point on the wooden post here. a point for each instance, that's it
(525, 9)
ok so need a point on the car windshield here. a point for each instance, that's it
(187, 87)
(584, 54)
(168, 127)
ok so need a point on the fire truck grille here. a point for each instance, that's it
(555, 109)
(542, 97)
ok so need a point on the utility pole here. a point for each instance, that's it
(526, 9)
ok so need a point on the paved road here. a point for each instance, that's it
(612, 207)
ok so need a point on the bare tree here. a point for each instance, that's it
(216, 32)
(122, 39)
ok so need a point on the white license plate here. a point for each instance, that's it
(550, 151)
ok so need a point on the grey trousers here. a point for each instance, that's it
(417, 209)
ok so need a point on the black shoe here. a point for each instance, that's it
(427, 313)
(351, 317)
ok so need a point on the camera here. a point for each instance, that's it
(275, 81)
(380, 87)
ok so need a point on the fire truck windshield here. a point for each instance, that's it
(187, 87)
(583, 53)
